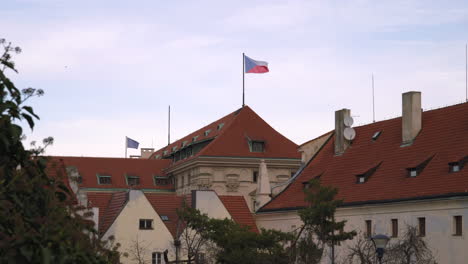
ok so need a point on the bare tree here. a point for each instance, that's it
(138, 251)
(412, 249)
(362, 251)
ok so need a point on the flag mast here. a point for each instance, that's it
(373, 99)
(466, 72)
(169, 126)
(243, 79)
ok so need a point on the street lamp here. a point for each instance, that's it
(380, 242)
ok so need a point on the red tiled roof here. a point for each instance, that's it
(110, 205)
(232, 139)
(239, 211)
(166, 204)
(200, 133)
(117, 168)
(443, 136)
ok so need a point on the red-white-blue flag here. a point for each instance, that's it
(253, 66)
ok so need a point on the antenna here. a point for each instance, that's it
(373, 99)
(169, 126)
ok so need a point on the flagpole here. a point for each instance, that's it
(126, 140)
(169, 126)
(466, 72)
(243, 79)
(373, 99)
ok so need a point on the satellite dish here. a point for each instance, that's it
(349, 133)
(348, 121)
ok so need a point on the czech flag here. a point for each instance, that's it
(253, 66)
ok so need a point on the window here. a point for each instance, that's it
(258, 146)
(165, 153)
(368, 228)
(133, 180)
(159, 180)
(164, 218)
(220, 126)
(458, 225)
(189, 151)
(361, 179)
(207, 132)
(156, 258)
(79, 180)
(146, 224)
(454, 167)
(422, 226)
(184, 143)
(194, 138)
(415, 171)
(104, 179)
(255, 176)
(174, 148)
(364, 177)
(376, 135)
(394, 227)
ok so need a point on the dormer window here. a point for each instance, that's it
(161, 180)
(415, 171)
(458, 165)
(257, 146)
(157, 156)
(165, 153)
(194, 138)
(133, 180)
(364, 177)
(184, 143)
(412, 172)
(454, 167)
(220, 126)
(174, 148)
(207, 132)
(361, 178)
(104, 179)
(164, 218)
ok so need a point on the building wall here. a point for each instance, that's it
(311, 147)
(439, 214)
(228, 180)
(209, 203)
(126, 230)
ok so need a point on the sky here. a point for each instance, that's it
(110, 69)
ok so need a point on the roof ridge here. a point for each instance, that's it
(199, 129)
(239, 112)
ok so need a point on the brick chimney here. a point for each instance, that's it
(341, 144)
(411, 116)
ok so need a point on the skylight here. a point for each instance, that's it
(376, 135)
(164, 218)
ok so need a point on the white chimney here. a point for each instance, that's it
(341, 144)
(411, 116)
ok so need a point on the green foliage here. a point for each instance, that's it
(319, 225)
(238, 244)
(39, 221)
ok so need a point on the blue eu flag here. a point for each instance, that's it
(132, 143)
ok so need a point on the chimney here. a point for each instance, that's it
(411, 116)
(341, 144)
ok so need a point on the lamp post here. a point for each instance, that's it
(380, 242)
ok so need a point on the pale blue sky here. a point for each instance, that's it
(110, 68)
